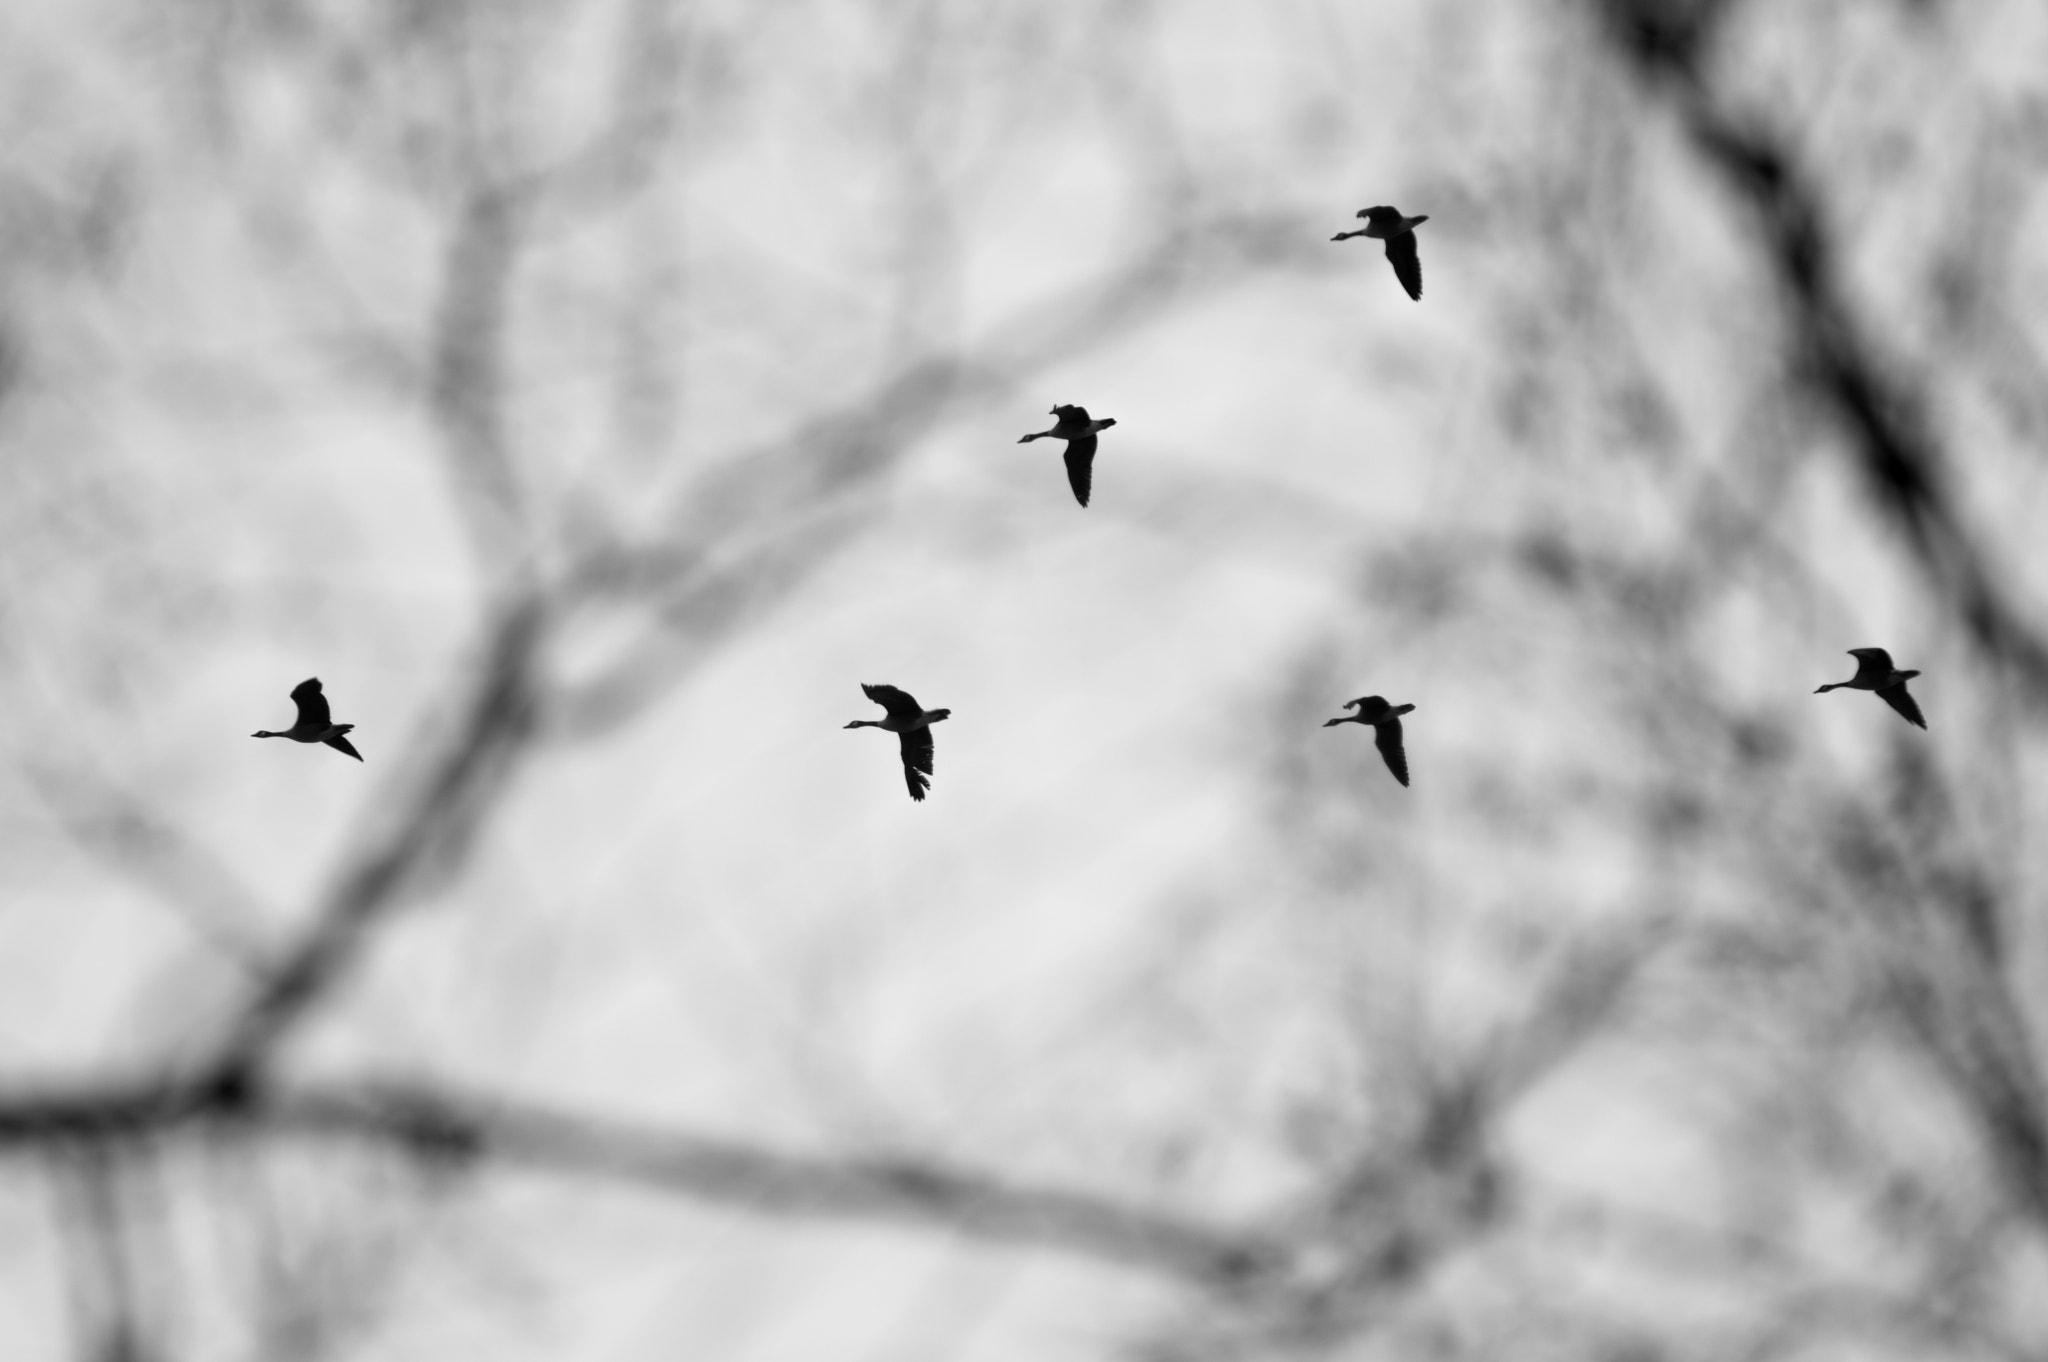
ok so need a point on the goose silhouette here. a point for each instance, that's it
(1079, 432)
(314, 723)
(1399, 234)
(1874, 671)
(1385, 722)
(912, 724)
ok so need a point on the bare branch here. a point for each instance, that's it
(1889, 433)
(428, 834)
(109, 821)
(442, 1126)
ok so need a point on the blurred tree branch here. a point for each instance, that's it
(424, 842)
(222, 911)
(435, 144)
(1953, 996)
(442, 1126)
(1669, 43)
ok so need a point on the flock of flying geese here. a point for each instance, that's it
(912, 722)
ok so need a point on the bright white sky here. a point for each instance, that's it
(1097, 954)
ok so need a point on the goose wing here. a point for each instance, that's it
(1407, 263)
(1081, 466)
(1386, 735)
(917, 760)
(1905, 704)
(341, 744)
(1369, 707)
(313, 712)
(1872, 664)
(897, 702)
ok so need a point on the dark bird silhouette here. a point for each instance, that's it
(912, 724)
(314, 723)
(1399, 233)
(1079, 432)
(1874, 671)
(1385, 720)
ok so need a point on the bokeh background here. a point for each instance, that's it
(594, 393)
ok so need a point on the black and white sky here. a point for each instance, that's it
(595, 393)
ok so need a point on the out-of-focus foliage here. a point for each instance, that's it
(594, 392)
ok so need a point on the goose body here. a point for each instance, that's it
(1398, 232)
(314, 722)
(1874, 671)
(1079, 431)
(912, 723)
(1385, 721)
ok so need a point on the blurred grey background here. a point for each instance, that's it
(593, 393)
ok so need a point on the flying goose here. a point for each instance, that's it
(1386, 729)
(1079, 432)
(1399, 233)
(314, 723)
(912, 724)
(1874, 671)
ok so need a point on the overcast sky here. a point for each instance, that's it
(594, 394)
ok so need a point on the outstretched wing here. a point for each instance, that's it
(1905, 704)
(341, 744)
(1386, 735)
(313, 712)
(898, 703)
(1407, 263)
(1081, 466)
(917, 760)
(1872, 664)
